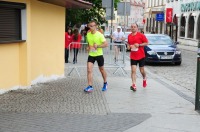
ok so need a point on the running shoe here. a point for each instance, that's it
(105, 86)
(89, 89)
(144, 83)
(133, 87)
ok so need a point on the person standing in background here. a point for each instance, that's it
(68, 40)
(118, 37)
(76, 39)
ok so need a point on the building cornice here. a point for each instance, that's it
(70, 3)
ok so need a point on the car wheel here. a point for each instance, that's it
(178, 63)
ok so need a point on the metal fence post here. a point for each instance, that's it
(197, 98)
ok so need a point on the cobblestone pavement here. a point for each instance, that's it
(57, 122)
(183, 75)
(62, 106)
(61, 96)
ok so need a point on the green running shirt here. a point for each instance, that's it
(96, 38)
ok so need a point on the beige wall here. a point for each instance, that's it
(47, 40)
(41, 57)
(9, 65)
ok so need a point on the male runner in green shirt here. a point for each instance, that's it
(96, 41)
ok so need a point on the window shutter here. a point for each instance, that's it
(10, 21)
(10, 24)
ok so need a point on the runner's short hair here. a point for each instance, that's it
(93, 21)
(136, 24)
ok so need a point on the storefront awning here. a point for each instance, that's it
(70, 3)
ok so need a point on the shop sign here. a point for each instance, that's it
(193, 6)
(169, 13)
(160, 17)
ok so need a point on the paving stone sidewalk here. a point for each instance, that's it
(62, 106)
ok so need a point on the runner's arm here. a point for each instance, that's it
(143, 44)
(103, 45)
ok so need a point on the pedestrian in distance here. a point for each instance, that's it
(136, 43)
(96, 41)
(68, 40)
(76, 39)
(118, 37)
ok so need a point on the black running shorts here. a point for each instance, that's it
(99, 59)
(141, 62)
(119, 46)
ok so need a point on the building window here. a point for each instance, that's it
(150, 2)
(162, 2)
(11, 22)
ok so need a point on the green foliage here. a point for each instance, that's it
(83, 16)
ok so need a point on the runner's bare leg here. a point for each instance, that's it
(89, 72)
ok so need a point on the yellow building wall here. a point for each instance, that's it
(41, 57)
(47, 41)
(9, 65)
(12, 62)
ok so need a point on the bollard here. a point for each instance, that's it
(197, 98)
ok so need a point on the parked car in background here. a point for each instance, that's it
(107, 34)
(162, 48)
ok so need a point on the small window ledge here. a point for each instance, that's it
(12, 41)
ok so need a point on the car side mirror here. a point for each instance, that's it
(176, 42)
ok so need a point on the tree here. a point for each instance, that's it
(83, 16)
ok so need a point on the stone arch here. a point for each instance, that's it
(191, 23)
(182, 26)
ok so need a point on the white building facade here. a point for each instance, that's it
(181, 19)
(154, 8)
(136, 16)
(186, 18)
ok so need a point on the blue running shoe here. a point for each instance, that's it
(89, 89)
(105, 86)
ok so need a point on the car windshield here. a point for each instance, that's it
(106, 32)
(159, 40)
